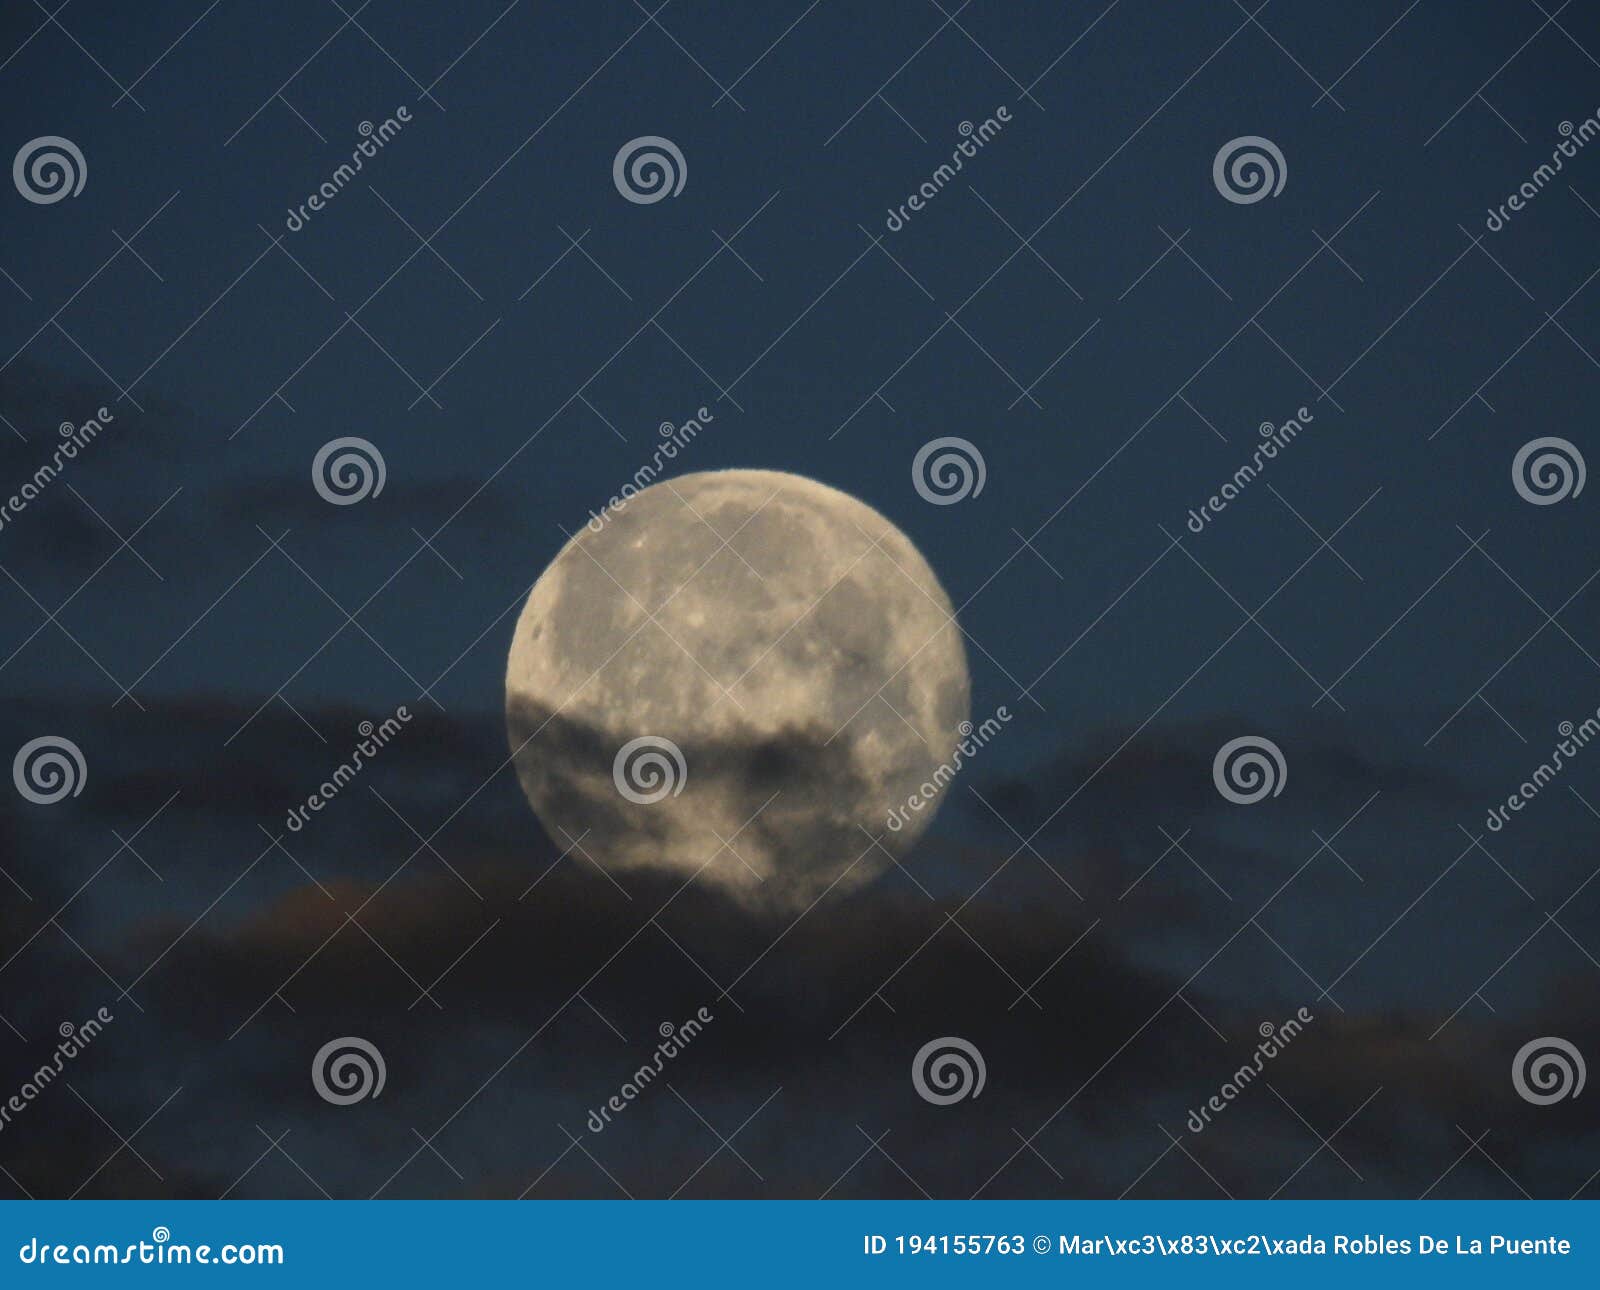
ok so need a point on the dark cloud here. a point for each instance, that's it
(1338, 606)
(512, 992)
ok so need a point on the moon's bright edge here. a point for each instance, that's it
(780, 656)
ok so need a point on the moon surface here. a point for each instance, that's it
(736, 679)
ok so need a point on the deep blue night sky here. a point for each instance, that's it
(483, 305)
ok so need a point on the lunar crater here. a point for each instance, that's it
(786, 639)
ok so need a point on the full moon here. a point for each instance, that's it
(736, 676)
